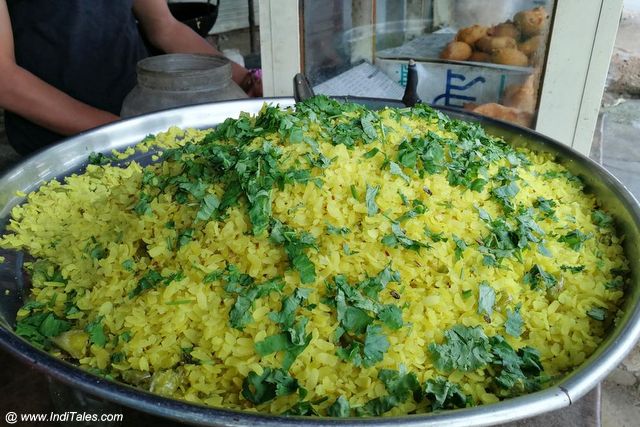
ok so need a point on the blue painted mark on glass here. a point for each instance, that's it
(404, 72)
(452, 91)
(503, 80)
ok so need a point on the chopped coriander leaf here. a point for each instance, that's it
(435, 237)
(33, 304)
(466, 294)
(536, 276)
(355, 320)
(460, 246)
(601, 218)
(542, 250)
(149, 281)
(117, 357)
(395, 169)
(319, 160)
(45, 271)
(375, 345)
(400, 238)
(283, 342)
(391, 316)
(444, 394)
(405, 200)
(143, 207)
(39, 327)
(349, 294)
(506, 240)
(368, 353)
(514, 323)
(99, 159)
(96, 332)
(546, 207)
(372, 286)
(478, 184)
(361, 340)
(572, 268)
(517, 371)
(418, 208)
(407, 155)
(527, 230)
(305, 408)
(346, 134)
(185, 237)
(574, 239)
(271, 384)
(504, 195)
(208, 207)
(464, 348)
(247, 292)
(597, 313)
(333, 230)
(354, 192)
(574, 179)
(347, 250)
(486, 298)
(98, 252)
(340, 408)
(371, 153)
(294, 246)
(125, 336)
(128, 264)
(615, 284)
(290, 304)
(400, 386)
(370, 200)
(367, 122)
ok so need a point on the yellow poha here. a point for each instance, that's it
(325, 260)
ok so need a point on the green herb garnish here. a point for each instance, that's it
(486, 298)
(574, 239)
(370, 200)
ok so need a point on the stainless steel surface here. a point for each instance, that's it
(69, 156)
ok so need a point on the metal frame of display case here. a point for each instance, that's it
(579, 52)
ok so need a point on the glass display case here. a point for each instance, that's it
(536, 63)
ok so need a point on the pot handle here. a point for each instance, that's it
(301, 88)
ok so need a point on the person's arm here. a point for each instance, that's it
(172, 36)
(23, 93)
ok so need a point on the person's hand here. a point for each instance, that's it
(252, 83)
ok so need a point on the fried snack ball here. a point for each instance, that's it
(456, 51)
(531, 22)
(479, 56)
(488, 44)
(500, 112)
(471, 35)
(521, 97)
(509, 56)
(530, 46)
(506, 29)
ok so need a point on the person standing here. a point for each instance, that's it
(66, 65)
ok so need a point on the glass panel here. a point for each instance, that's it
(482, 55)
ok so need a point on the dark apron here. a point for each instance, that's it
(86, 48)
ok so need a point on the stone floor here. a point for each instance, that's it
(621, 156)
(619, 134)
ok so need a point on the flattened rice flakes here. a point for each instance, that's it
(327, 260)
